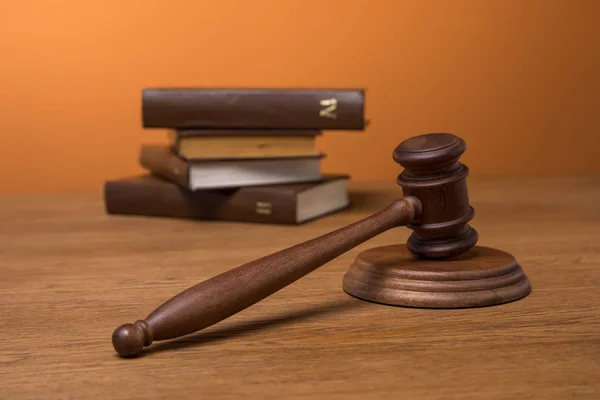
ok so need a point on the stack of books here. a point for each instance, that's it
(246, 155)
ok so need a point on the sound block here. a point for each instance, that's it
(392, 275)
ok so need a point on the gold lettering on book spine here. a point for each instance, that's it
(263, 207)
(330, 108)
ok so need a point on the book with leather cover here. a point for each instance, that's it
(251, 108)
(152, 196)
(228, 173)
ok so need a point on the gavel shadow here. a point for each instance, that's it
(254, 326)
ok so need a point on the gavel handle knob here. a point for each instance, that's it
(219, 297)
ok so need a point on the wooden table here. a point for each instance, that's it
(70, 274)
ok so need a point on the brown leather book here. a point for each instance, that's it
(149, 195)
(269, 108)
(228, 173)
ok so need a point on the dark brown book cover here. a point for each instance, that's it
(149, 195)
(161, 160)
(251, 108)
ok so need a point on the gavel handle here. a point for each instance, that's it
(219, 297)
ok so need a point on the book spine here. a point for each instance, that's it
(241, 132)
(317, 109)
(165, 165)
(171, 201)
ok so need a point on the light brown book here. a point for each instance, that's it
(242, 143)
(152, 196)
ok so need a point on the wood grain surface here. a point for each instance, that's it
(391, 274)
(70, 274)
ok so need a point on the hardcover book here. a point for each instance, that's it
(149, 195)
(249, 108)
(242, 143)
(226, 173)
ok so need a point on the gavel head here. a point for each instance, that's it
(433, 174)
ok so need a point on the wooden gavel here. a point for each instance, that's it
(435, 205)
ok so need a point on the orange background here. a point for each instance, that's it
(518, 80)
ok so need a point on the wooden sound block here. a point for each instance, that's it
(393, 275)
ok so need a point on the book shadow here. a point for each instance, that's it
(253, 327)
